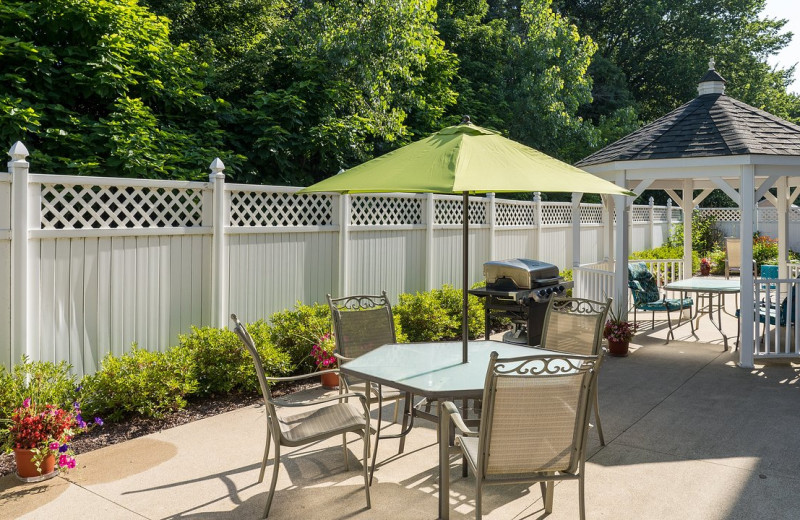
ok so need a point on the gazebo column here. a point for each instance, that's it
(687, 205)
(576, 230)
(783, 226)
(621, 249)
(608, 227)
(747, 193)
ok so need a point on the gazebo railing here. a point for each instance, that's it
(775, 324)
(596, 281)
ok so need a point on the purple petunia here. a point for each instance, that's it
(98, 421)
(63, 448)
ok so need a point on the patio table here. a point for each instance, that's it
(434, 371)
(710, 287)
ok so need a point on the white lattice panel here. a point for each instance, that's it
(508, 214)
(448, 211)
(379, 210)
(77, 206)
(640, 213)
(723, 214)
(677, 215)
(279, 209)
(768, 214)
(794, 214)
(591, 213)
(659, 214)
(556, 213)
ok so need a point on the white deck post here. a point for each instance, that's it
(669, 216)
(430, 216)
(608, 223)
(651, 219)
(537, 214)
(20, 282)
(219, 277)
(576, 229)
(621, 249)
(344, 244)
(783, 227)
(490, 216)
(687, 205)
(747, 192)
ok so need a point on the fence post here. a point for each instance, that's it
(576, 229)
(651, 219)
(490, 216)
(537, 219)
(219, 276)
(344, 243)
(430, 217)
(669, 216)
(20, 283)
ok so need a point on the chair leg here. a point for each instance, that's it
(548, 496)
(670, 334)
(597, 418)
(367, 477)
(581, 497)
(377, 436)
(274, 482)
(478, 499)
(408, 404)
(266, 455)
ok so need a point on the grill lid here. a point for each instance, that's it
(521, 273)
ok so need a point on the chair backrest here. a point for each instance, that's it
(733, 252)
(769, 271)
(250, 345)
(361, 323)
(642, 283)
(536, 413)
(574, 325)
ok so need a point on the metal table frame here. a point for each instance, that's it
(434, 371)
(710, 287)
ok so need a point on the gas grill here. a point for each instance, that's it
(520, 290)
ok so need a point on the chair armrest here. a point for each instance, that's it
(301, 376)
(341, 358)
(451, 411)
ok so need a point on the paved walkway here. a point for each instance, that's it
(690, 436)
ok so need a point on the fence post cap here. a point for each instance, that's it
(651, 201)
(217, 167)
(18, 152)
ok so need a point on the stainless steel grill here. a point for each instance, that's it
(520, 289)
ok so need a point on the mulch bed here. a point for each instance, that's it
(133, 427)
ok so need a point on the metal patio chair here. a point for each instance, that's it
(360, 325)
(575, 326)
(534, 424)
(336, 417)
(648, 297)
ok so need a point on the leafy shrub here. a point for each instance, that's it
(296, 331)
(666, 252)
(42, 381)
(705, 234)
(147, 383)
(567, 275)
(221, 364)
(436, 315)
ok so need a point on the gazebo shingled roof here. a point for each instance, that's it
(710, 125)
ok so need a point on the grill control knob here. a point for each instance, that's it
(560, 288)
(541, 293)
(549, 290)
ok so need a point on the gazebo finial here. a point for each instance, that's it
(711, 63)
(711, 82)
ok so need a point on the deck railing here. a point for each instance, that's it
(596, 281)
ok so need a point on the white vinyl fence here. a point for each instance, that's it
(729, 219)
(90, 265)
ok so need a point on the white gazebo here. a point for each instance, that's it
(713, 141)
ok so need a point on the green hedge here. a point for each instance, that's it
(436, 315)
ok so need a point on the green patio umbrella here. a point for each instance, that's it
(465, 159)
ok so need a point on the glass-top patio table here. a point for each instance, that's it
(434, 371)
(709, 286)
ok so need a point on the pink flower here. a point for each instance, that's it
(71, 463)
(53, 446)
(63, 460)
(26, 403)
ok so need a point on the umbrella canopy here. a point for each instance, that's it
(465, 159)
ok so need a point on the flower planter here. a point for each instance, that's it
(26, 468)
(330, 380)
(705, 270)
(618, 348)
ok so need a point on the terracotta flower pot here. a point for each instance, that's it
(26, 468)
(705, 269)
(330, 380)
(618, 348)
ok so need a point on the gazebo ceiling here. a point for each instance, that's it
(712, 125)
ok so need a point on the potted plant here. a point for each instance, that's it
(705, 267)
(618, 333)
(39, 436)
(322, 352)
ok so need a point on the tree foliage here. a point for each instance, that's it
(96, 87)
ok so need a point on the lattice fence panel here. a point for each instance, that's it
(280, 209)
(376, 210)
(640, 213)
(591, 213)
(723, 214)
(448, 211)
(794, 214)
(514, 214)
(77, 206)
(677, 215)
(556, 213)
(659, 214)
(768, 214)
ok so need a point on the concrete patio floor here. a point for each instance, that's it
(689, 436)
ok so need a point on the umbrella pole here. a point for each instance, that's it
(465, 278)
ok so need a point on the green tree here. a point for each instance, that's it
(95, 87)
(522, 70)
(653, 52)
